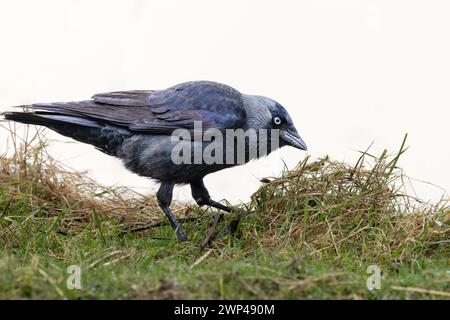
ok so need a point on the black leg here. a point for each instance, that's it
(201, 196)
(164, 196)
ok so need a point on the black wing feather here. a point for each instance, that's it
(160, 111)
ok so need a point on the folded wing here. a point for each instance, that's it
(160, 111)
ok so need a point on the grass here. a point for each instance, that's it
(309, 234)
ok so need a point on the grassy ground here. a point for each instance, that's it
(311, 233)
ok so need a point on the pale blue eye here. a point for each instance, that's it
(277, 121)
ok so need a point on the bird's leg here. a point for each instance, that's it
(164, 196)
(201, 196)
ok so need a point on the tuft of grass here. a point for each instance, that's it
(329, 209)
(311, 233)
(36, 183)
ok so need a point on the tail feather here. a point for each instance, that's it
(48, 119)
(104, 137)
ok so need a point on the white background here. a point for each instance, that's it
(349, 72)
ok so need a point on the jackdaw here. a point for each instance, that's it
(138, 127)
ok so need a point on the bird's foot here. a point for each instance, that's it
(180, 234)
(233, 225)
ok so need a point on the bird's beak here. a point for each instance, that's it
(292, 138)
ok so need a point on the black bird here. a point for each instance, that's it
(138, 126)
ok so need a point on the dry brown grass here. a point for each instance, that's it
(319, 208)
(55, 190)
(308, 234)
(329, 207)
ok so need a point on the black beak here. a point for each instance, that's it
(292, 138)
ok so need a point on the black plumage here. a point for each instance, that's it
(136, 126)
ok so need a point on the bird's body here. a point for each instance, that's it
(140, 153)
(138, 127)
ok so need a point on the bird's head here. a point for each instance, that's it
(265, 113)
